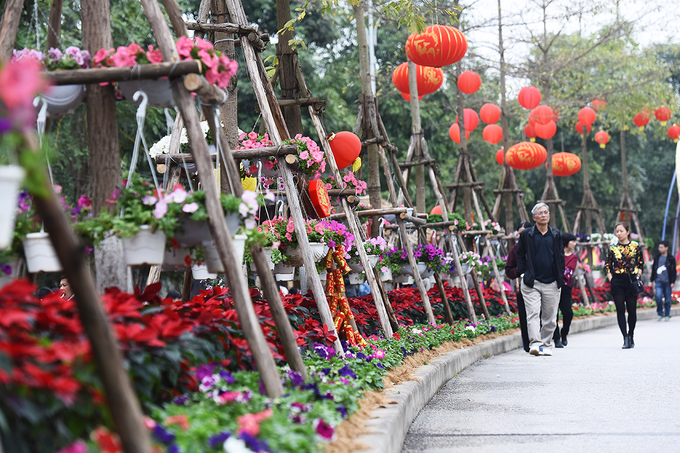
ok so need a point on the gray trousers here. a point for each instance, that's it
(541, 301)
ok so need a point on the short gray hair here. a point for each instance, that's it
(538, 206)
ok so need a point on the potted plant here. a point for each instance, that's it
(280, 235)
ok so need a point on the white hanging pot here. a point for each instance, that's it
(158, 91)
(63, 99)
(146, 247)
(193, 232)
(212, 258)
(11, 177)
(200, 272)
(356, 267)
(356, 279)
(373, 260)
(404, 279)
(285, 277)
(319, 251)
(15, 265)
(425, 272)
(386, 276)
(40, 255)
(233, 222)
(465, 267)
(173, 260)
(281, 268)
(323, 276)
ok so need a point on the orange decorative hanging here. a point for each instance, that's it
(602, 137)
(499, 156)
(470, 119)
(490, 113)
(436, 210)
(542, 114)
(346, 147)
(598, 104)
(663, 114)
(565, 164)
(529, 97)
(436, 46)
(454, 133)
(674, 132)
(546, 131)
(579, 128)
(319, 198)
(428, 79)
(526, 155)
(407, 96)
(469, 82)
(530, 132)
(641, 120)
(492, 133)
(587, 116)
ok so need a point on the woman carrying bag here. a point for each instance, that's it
(624, 266)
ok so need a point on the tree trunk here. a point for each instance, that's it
(288, 66)
(9, 27)
(54, 29)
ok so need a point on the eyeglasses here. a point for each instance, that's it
(542, 213)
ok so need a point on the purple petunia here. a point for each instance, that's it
(218, 439)
(295, 378)
(204, 370)
(347, 371)
(227, 376)
(343, 411)
(180, 400)
(6, 268)
(164, 436)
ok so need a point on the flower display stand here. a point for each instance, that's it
(213, 260)
(158, 91)
(63, 99)
(10, 182)
(40, 255)
(146, 247)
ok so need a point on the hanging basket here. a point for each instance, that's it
(319, 251)
(146, 247)
(212, 258)
(63, 99)
(193, 232)
(408, 270)
(40, 255)
(173, 260)
(356, 278)
(425, 273)
(158, 91)
(465, 267)
(403, 279)
(386, 276)
(200, 272)
(356, 267)
(11, 177)
(15, 266)
(373, 260)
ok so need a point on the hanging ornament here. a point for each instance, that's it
(526, 155)
(492, 133)
(587, 116)
(579, 128)
(641, 120)
(546, 131)
(428, 79)
(436, 46)
(319, 196)
(454, 133)
(602, 137)
(598, 104)
(542, 114)
(436, 210)
(490, 113)
(674, 132)
(407, 96)
(471, 119)
(469, 82)
(529, 97)
(530, 132)
(499, 156)
(565, 164)
(663, 114)
(346, 147)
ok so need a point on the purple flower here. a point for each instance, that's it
(323, 429)
(164, 436)
(227, 376)
(5, 125)
(207, 383)
(295, 378)
(6, 268)
(347, 371)
(343, 411)
(173, 448)
(263, 390)
(180, 400)
(204, 370)
(253, 443)
(218, 439)
(54, 54)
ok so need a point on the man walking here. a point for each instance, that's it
(540, 263)
(663, 272)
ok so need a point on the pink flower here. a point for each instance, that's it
(184, 46)
(161, 209)
(181, 420)
(179, 194)
(229, 66)
(304, 155)
(76, 447)
(290, 227)
(269, 164)
(149, 423)
(154, 56)
(323, 429)
(135, 49)
(250, 423)
(122, 57)
(209, 60)
(149, 200)
(190, 207)
(227, 397)
(203, 44)
(20, 81)
(101, 56)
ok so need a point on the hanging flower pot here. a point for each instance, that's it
(465, 267)
(40, 255)
(425, 272)
(356, 267)
(193, 232)
(373, 260)
(10, 272)
(175, 259)
(323, 276)
(158, 91)
(403, 279)
(146, 247)
(318, 249)
(386, 276)
(63, 99)
(212, 258)
(284, 273)
(10, 182)
(200, 272)
(408, 270)
(356, 278)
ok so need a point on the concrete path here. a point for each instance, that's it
(590, 396)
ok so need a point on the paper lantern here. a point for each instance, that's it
(407, 96)
(436, 46)
(598, 104)
(319, 197)
(471, 119)
(454, 133)
(428, 79)
(526, 155)
(540, 115)
(546, 131)
(436, 210)
(530, 132)
(529, 97)
(469, 82)
(579, 128)
(346, 147)
(587, 116)
(663, 114)
(499, 156)
(602, 137)
(493, 133)
(490, 113)
(641, 120)
(674, 132)
(565, 164)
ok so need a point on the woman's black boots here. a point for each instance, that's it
(626, 342)
(632, 342)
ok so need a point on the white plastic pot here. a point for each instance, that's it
(40, 255)
(356, 279)
(63, 99)
(158, 91)
(212, 258)
(386, 276)
(193, 232)
(407, 270)
(465, 268)
(173, 260)
(404, 279)
(11, 177)
(425, 272)
(356, 267)
(14, 273)
(318, 249)
(146, 247)
(200, 272)
(373, 260)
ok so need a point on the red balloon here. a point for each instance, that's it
(407, 96)
(663, 114)
(436, 46)
(428, 79)
(540, 115)
(454, 133)
(436, 210)
(530, 132)
(346, 147)
(565, 164)
(493, 133)
(499, 156)
(579, 128)
(598, 104)
(469, 82)
(490, 113)
(587, 116)
(602, 137)
(471, 119)
(526, 155)
(529, 97)
(546, 131)
(641, 120)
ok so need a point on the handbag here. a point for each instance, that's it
(637, 284)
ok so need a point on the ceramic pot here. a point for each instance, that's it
(212, 258)
(158, 91)
(63, 99)
(11, 177)
(40, 255)
(146, 247)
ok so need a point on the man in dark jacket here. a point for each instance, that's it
(540, 265)
(511, 273)
(664, 274)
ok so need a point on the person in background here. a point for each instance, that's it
(511, 272)
(65, 287)
(570, 262)
(664, 274)
(174, 295)
(623, 265)
(42, 292)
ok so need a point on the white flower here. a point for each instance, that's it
(234, 445)
(470, 328)
(416, 331)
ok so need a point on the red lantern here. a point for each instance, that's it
(320, 199)
(346, 148)
(530, 132)
(526, 155)
(499, 156)
(490, 113)
(493, 133)
(674, 132)
(407, 96)
(598, 104)
(602, 137)
(454, 133)
(540, 115)
(579, 128)
(436, 46)
(641, 120)
(436, 210)
(529, 97)
(429, 79)
(565, 164)
(546, 131)
(663, 114)
(587, 116)
(469, 82)
(471, 119)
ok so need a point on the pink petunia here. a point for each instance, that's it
(76, 447)
(184, 46)
(161, 209)
(208, 59)
(323, 429)
(304, 155)
(190, 207)
(102, 55)
(122, 57)
(154, 55)
(20, 81)
(203, 44)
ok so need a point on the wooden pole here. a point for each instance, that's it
(54, 26)
(416, 136)
(146, 71)
(11, 19)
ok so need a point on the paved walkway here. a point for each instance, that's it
(590, 396)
